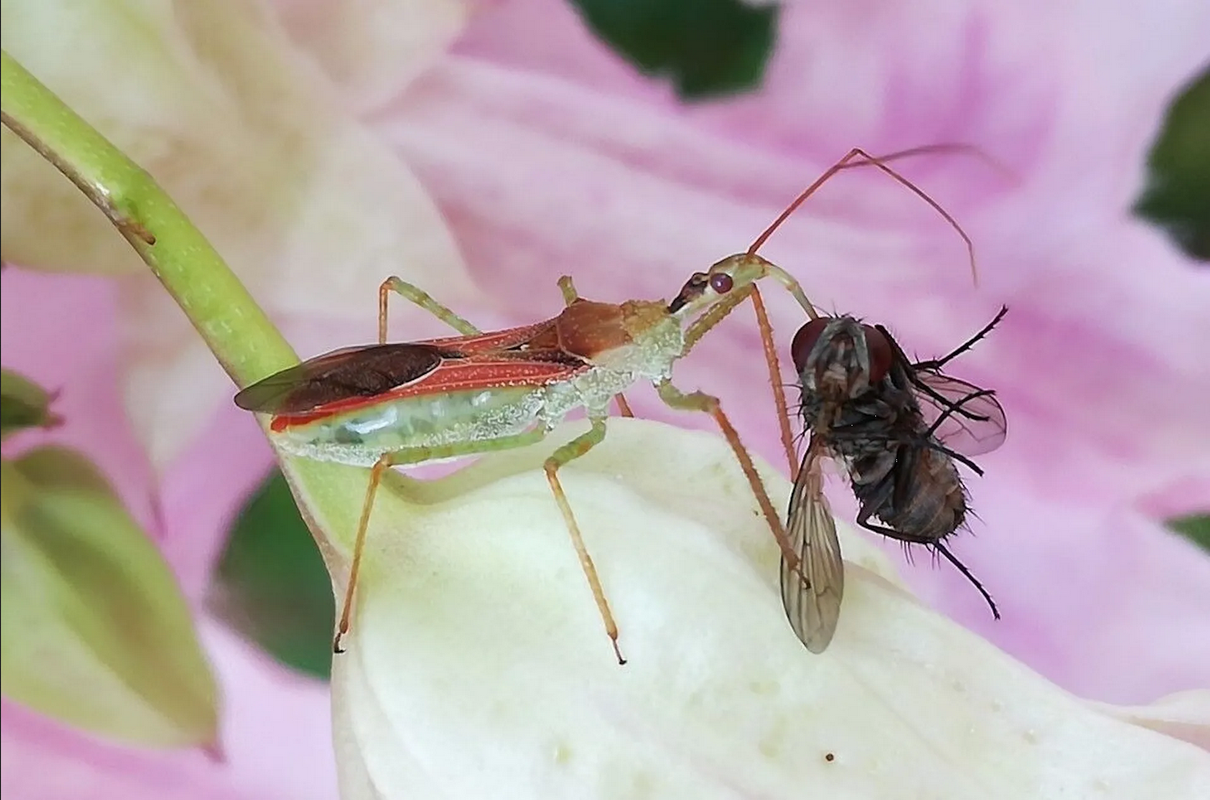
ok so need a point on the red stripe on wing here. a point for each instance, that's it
(491, 340)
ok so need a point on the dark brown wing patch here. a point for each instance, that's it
(340, 375)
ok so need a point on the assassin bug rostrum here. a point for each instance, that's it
(387, 405)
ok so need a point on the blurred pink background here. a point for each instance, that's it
(548, 155)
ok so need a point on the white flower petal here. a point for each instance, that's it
(477, 660)
(1185, 715)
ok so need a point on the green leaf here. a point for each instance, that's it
(95, 630)
(272, 583)
(707, 47)
(23, 404)
(1177, 195)
(1195, 528)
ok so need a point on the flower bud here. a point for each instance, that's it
(96, 632)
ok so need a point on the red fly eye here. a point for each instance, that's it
(880, 353)
(721, 282)
(804, 341)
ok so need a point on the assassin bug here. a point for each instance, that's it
(388, 405)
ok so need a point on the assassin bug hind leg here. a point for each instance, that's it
(420, 298)
(399, 458)
(561, 457)
(363, 523)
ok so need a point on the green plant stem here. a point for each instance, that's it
(233, 326)
(228, 319)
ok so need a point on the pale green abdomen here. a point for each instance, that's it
(361, 436)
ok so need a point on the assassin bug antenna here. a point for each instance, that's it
(881, 163)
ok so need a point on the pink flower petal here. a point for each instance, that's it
(250, 138)
(478, 133)
(60, 331)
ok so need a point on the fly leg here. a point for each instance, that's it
(891, 498)
(937, 363)
(936, 544)
(410, 455)
(956, 408)
(699, 401)
(421, 298)
(875, 502)
(570, 295)
(926, 440)
(561, 457)
(930, 444)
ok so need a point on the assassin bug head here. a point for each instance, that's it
(731, 280)
(701, 289)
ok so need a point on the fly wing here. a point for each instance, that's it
(812, 599)
(340, 375)
(974, 420)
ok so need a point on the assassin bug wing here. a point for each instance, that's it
(972, 419)
(340, 375)
(812, 599)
